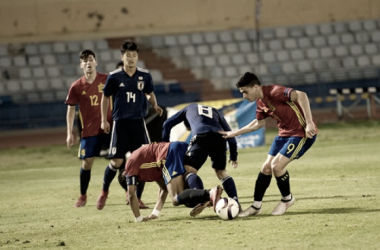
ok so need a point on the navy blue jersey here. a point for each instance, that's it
(202, 119)
(128, 93)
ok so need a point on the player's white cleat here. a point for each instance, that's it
(281, 208)
(250, 211)
(199, 208)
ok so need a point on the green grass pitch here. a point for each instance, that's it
(336, 185)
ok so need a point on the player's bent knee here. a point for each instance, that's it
(175, 202)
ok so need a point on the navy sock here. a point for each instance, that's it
(194, 181)
(192, 197)
(230, 188)
(140, 189)
(84, 177)
(283, 184)
(109, 174)
(262, 183)
(121, 178)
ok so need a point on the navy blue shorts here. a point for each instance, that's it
(291, 147)
(127, 136)
(91, 146)
(203, 145)
(174, 161)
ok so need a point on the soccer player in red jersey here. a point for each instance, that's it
(87, 93)
(297, 133)
(163, 163)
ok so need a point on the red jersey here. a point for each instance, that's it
(88, 96)
(277, 104)
(146, 162)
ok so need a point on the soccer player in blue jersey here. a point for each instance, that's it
(205, 123)
(130, 88)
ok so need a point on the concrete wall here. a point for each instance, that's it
(52, 20)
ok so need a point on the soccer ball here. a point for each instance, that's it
(227, 208)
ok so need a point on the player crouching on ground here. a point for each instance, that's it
(163, 163)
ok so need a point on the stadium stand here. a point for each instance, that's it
(310, 57)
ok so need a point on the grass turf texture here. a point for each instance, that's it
(336, 185)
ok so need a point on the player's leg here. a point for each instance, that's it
(138, 135)
(195, 157)
(192, 179)
(117, 154)
(283, 183)
(216, 146)
(263, 179)
(87, 152)
(294, 148)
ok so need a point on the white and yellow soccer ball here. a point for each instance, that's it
(227, 208)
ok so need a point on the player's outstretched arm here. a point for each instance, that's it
(252, 126)
(162, 194)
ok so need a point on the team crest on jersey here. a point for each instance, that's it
(83, 152)
(100, 87)
(140, 85)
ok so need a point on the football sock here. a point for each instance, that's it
(109, 174)
(257, 204)
(84, 177)
(194, 181)
(121, 177)
(140, 189)
(262, 183)
(230, 188)
(283, 184)
(192, 197)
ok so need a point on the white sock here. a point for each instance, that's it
(288, 197)
(257, 204)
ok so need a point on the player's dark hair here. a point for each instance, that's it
(187, 124)
(128, 46)
(120, 64)
(248, 79)
(84, 54)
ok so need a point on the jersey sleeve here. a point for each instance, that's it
(149, 87)
(281, 93)
(109, 87)
(171, 122)
(130, 167)
(260, 113)
(72, 98)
